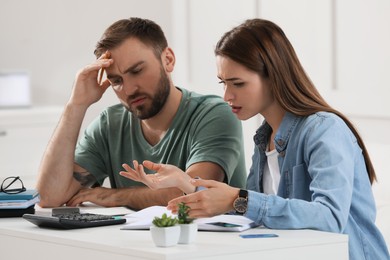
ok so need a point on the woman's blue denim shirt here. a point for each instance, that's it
(324, 183)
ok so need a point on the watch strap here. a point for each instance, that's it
(243, 193)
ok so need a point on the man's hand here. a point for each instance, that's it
(86, 89)
(101, 196)
(166, 176)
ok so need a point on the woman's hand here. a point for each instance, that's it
(166, 176)
(217, 199)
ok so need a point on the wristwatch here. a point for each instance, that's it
(240, 204)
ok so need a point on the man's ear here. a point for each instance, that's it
(168, 59)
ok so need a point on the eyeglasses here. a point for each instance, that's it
(12, 185)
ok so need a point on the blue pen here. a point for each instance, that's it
(258, 235)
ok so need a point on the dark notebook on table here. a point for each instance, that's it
(8, 213)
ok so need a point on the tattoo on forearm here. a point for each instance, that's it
(86, 179)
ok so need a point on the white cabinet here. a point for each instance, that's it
(24, 134)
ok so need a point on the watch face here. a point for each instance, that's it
(240, 204)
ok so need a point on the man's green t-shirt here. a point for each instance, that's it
(203, 130)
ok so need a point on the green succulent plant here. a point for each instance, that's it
(165, 221)
(183, 214)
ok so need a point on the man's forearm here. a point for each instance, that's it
(56, 170)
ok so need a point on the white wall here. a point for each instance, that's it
(343, 45)
(53, 39)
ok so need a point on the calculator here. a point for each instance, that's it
(71, 218)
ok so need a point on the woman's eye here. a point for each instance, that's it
(223, 84)
(239, 84)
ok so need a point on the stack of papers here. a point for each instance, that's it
(143, 220)
(15, 205)
(20, 200)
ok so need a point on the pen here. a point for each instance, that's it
(106, 55)
(258, 235)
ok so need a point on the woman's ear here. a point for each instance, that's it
(168, 59)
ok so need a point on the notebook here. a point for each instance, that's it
(143, 220)
(25, 195)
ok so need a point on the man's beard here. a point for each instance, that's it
(158, 100)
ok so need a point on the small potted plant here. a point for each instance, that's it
(164, 231)
(188, 229)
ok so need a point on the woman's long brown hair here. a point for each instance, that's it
(262, 46)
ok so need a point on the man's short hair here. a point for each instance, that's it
(147, 31)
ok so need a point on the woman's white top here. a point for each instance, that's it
(271, 176)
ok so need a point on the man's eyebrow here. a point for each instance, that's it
(132, 67)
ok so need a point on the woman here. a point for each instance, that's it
(310, 168)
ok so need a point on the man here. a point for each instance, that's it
(155, 121)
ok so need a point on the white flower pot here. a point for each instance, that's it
(188, 233)
(165, 236)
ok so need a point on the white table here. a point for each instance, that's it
(19, 239)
